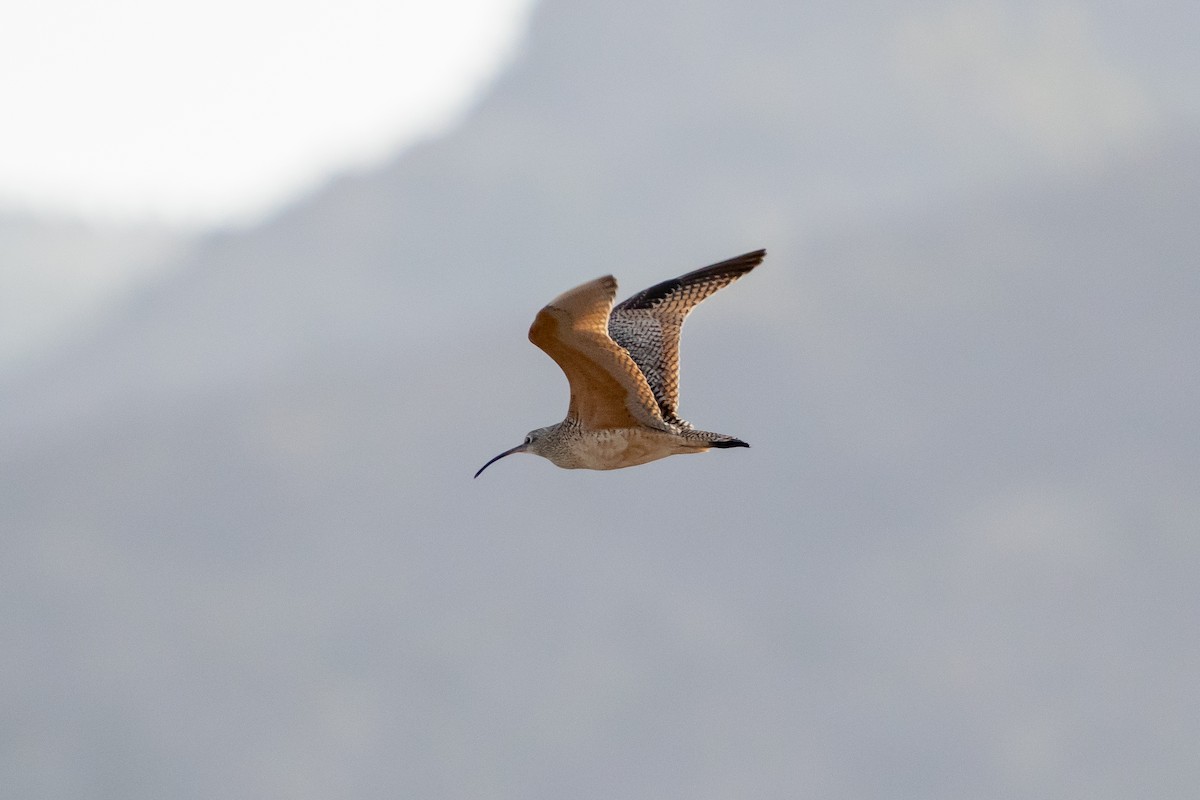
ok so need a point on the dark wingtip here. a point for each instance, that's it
(731, 267)
(743, 263)
(726, 443)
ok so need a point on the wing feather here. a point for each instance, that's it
(607, 388)
(648, 324)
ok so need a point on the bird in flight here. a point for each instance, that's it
(622, 363)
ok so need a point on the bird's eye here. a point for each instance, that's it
(529, 439)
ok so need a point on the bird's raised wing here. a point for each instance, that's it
(607, 388)
(647, 325)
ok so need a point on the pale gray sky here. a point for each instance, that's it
(201, 113)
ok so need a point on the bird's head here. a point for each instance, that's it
(535, 442)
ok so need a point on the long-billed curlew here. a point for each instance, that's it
(623, 367)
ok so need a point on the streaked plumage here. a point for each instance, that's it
(622, 364)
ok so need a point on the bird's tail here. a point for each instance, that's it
(710, 439)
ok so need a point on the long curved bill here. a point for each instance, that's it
(518, 449)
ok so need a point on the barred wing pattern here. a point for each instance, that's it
(648, 324)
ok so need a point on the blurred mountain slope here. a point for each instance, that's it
(58, 273)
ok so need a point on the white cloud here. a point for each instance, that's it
(201, 111)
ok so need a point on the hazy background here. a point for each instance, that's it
(243, 555)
